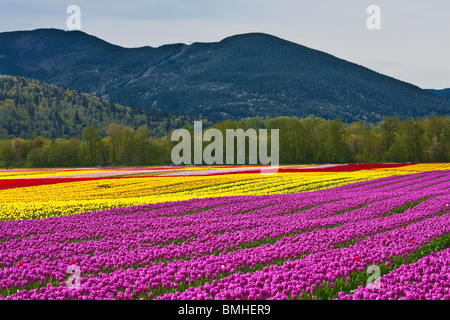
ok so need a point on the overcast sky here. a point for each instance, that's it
(412, 45)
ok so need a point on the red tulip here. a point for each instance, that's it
(21, 263)
(358, 258)
(73, 261)
(326, 230)
(389, 235)
(208, 221)
(382, 219)
(414, 241)
(378, 246)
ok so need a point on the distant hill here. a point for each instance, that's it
(445, 93)
(241, 76)
(30, 107)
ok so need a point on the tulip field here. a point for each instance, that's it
(341, 232)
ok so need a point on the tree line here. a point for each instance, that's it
(306, 140)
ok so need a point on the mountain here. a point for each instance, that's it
(241, 76)
(29, 108)
(445, 93)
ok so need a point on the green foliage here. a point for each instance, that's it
(308, 140)
(92, 140)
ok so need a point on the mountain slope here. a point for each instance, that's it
(30, 107)
(244, 75)
(445, 93)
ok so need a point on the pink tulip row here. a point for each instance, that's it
(427, 279)
(304, 276)
(116, 249)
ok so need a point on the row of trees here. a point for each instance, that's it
(121, 146)
(307, 140)
(312, 140)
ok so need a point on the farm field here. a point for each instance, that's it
(182, 233)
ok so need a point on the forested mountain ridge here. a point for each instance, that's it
(241, 76)
(29, 108)
(445, 93)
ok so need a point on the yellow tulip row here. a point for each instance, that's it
(36, 173)
(421, 167)
(76, 197)
(48, 173)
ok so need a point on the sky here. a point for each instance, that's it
(413, 43)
